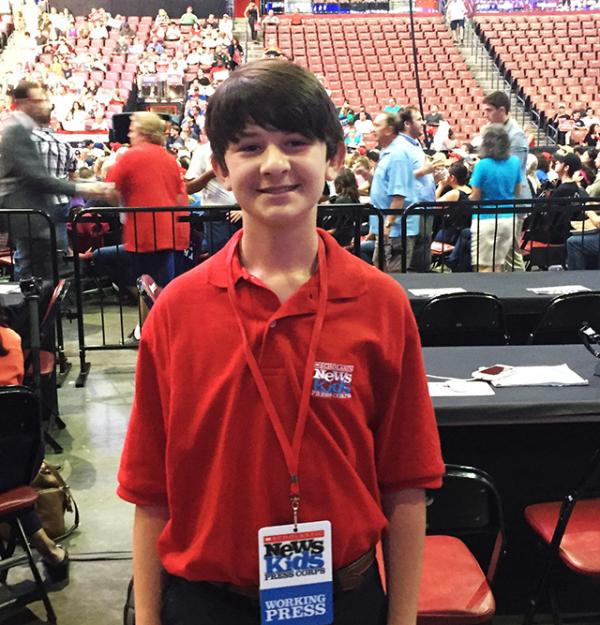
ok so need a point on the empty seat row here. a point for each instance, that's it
(564, 65)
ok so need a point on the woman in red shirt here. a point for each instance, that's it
(146, 176)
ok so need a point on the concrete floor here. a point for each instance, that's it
(96, 417)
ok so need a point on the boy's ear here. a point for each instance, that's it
(221, 173)
(336, 162)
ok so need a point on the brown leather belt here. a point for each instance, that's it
(347, 578)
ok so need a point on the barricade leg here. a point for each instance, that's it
(84, 367)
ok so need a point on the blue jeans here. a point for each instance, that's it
(583, 251)
(59, 214)
(33, 257)
(124, 268)
(367, 249)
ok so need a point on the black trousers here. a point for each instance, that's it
(202, 603)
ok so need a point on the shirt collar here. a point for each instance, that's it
(345, 282)
(409, 139)
(24, 119)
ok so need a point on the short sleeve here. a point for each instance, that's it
(477, 175)
(199, 163)
(400, 173)
(141, 475)
(407, 444)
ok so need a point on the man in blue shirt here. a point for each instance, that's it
(411, 123)
(394, 184)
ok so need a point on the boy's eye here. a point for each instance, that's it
(249, 147)
(295, 143)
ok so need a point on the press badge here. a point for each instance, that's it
(296, 574)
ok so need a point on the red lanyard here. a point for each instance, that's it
(291, 450)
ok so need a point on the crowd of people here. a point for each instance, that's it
(71, 58)
(579, 126)
(89, 64)
(205, 52)
(185, 50)
(276, 153)
(402, 165)
(497, 165)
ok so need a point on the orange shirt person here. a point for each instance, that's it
(11, 357)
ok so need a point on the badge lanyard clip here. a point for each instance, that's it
(291, 450)
(295, 500)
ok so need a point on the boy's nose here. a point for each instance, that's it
(274, 161)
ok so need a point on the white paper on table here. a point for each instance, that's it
(435, 292)
(7, 289)
(565, 289)
(553, 375)
(459, 388)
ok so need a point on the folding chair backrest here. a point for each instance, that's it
(469, 504)
(148, 289)
(53, 309)
(564, 315)
(462, 319)
(588, 485)
(20, 436)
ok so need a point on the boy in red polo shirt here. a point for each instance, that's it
(281, 381)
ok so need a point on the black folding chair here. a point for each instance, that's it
(462, 319)
(20, 445)
(569, 532)
(563, 316)
(465, 536)
(48, 361)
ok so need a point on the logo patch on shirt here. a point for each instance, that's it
(332, 380)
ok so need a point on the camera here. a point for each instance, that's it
(30, 286)
(591, 340)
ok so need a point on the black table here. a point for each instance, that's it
(509, 287)
(534, 442)
(524, 405)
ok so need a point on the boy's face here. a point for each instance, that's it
(277, 177)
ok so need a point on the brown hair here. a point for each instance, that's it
(272, 94)
(406, 116)
(498, 99)
(21, 91)
(345, 184)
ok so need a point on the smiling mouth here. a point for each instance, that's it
(279, 190)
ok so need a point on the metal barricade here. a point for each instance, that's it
(29, 250)
(103, 320)
(538, 227)
(106, 270)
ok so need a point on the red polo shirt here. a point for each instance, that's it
(147, 175)
(200, 441)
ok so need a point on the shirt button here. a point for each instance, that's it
(273, 324)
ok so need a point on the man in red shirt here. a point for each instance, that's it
(282, 379)
(146, 176)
